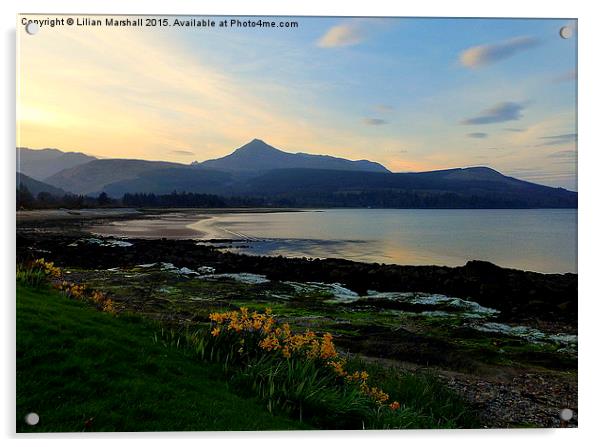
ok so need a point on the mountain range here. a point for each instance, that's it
(294, 179)
(42, 163)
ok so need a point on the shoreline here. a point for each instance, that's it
(98, 213)
(519, 295)
(222, 226)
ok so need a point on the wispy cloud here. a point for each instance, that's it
(343, 35)
(570, 75)
(564, 155)
(374, 121)
(499, 113)
(477, 135)
(180, 152)
(514, 129)
(384, 108)
(483, 55)
(539, 174)
(555, 140)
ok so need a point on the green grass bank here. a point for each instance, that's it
(84, 370)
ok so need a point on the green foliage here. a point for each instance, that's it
(31, 276)
(53, 198)
(432, 404)
(311, 392)
(103, 199)
(24, 197)
(304, 389)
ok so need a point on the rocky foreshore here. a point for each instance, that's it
(520, 296)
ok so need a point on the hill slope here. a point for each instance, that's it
(477, 187)
(167, 180)
(41, 164)
(91, 178)
(76, 364)
(35, 187)
(258, 156)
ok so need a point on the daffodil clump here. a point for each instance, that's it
(73, 290)
(82, 293)
(47, 267)
(101, 300)
(280, 340)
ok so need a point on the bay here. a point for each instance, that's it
(542, 240)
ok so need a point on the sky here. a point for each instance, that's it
(413, 94)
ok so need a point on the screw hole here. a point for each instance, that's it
(566, 32)
(32, 419)
(32, 28)
(566, 414)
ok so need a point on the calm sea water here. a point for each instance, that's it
(538, 240)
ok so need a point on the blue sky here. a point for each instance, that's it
(413, 94)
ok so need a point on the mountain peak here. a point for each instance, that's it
(257, 140)
(477, 173)
(256, 145)
(259, 156)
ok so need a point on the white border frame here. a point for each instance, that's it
(589, 165)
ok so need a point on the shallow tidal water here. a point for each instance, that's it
(538, 240)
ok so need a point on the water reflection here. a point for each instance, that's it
(539, 240)
(368, 251)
